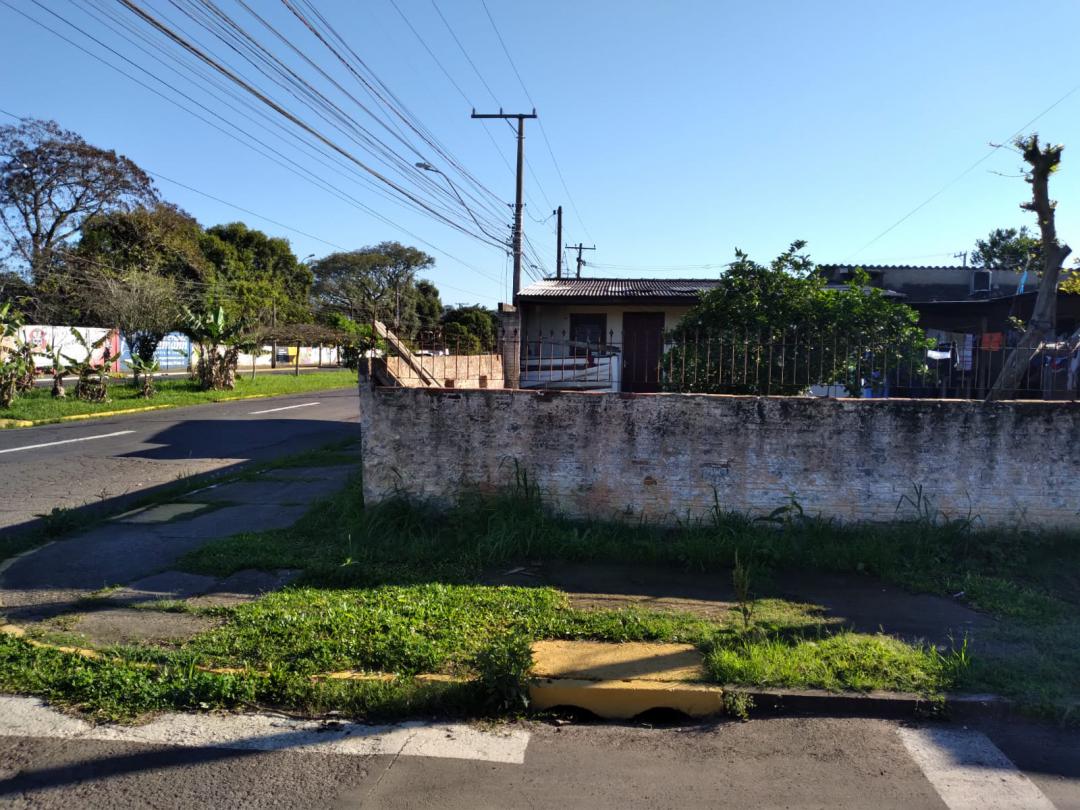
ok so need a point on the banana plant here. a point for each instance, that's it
(219, 339)
(93, 382)
(59, 369)
(16, 359)
(144, 372)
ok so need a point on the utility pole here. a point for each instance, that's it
(558, 242)
(580, 261)
(963, 255)
(519, 205)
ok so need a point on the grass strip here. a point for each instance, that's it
(38, 405)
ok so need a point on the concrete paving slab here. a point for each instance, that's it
(269, 492)
(131, 626)
(162, 513)
(244, 586)
(232, 520)
(166, 585)
(338, 472)
(605, 661)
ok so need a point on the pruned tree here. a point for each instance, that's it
(51, 181)
(1042, 161)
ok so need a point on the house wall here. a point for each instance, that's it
(662, 456)
(548, 319)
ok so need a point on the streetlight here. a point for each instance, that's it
(427, 167)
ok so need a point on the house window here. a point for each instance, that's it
(588, 329)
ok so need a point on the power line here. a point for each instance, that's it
(993, 149)
(543, 132)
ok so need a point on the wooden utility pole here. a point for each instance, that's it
(1043, 162)
(519, 205)
(580, 261)
(558, 242)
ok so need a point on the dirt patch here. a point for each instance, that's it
(133, 626)
(860, 602)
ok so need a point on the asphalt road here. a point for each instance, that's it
(108, 462)
(774, 763)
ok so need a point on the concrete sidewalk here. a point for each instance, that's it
(92, 583)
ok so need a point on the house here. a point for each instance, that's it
(600, 334)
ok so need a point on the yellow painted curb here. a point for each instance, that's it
(15, 423)
(75, 417)
(622, 700)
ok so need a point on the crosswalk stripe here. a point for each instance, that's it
(969, 772)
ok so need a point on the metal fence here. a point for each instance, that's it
(757, 363)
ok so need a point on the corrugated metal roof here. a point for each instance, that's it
(618, 288)
(870, 267)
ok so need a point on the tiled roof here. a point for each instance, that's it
(618, 289)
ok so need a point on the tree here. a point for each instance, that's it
(373, 283)
(1012, 249)
(429, 307)
(478, 322)
(1043, 161)
(160, 239)
(143, 306)
(51, 182)
(792, 329)
(255, 277)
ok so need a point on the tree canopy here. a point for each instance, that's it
(1013, 249)
(819, 333)
(51, 182)
(376, 282)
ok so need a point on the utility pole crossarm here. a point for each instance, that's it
(579, 247)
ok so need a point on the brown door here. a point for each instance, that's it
(643, 350)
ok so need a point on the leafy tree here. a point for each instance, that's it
(160, 239)
(51, 182)
(255, 277)
(478, 322)
(429, 307)
(372, 283)
(1008, 249)
(794, 329)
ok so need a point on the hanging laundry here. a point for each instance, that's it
(938, 354)
(992, 341)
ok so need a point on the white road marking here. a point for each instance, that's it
(969, 772)
(286, 408)
(29, 717)
(67, 441)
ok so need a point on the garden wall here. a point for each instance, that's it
(453, 370)
(666, 456)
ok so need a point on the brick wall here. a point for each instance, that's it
(454, 371)
(662, 456)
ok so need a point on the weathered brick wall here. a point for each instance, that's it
(662, 456)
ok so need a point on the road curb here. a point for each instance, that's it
(626, 699)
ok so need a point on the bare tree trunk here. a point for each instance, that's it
(1043, 162)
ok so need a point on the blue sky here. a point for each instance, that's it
(683, 130)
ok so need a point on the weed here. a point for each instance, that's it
(737, 704)
(740, 579)
(503, 668)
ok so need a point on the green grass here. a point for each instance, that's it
(1029, 581)
(39, 405)
(393, 588)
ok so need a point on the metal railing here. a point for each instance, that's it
(778, 363)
